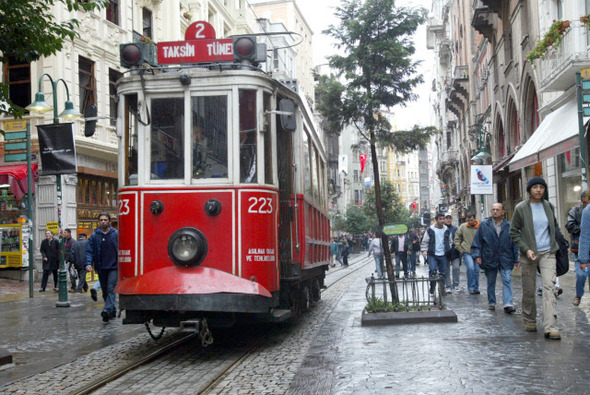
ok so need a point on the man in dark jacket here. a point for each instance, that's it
(435, 245)
(453, 258)
(78, 259)
(574, 222)
(50, 253)
(494, 250)
(102, 250)
(400, 246)
(68, 243)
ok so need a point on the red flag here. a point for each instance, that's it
(363, 159)
(568, 156)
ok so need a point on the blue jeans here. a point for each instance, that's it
(437, 263)
(403, 257)
(581, 277)
(506, 275)
(472, 272)
(108, 281)
(379, 264)
(412, 261)
(96, 285)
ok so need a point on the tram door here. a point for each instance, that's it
(286, 198)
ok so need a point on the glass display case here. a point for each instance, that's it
(14, 245)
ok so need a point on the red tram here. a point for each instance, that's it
(222, 198)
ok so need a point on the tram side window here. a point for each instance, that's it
(209, 136)
(306, 163)
(131, 140)
(167, 142)
(247, 135)
(268, 173)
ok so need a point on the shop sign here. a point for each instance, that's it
(53, 227)
(14, 126)
(481, 176)
(395, 229)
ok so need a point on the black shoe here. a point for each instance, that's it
(42, 290)
(476, 292)
(105, 316)
(113, 314)
(509, 309)
(93, 294)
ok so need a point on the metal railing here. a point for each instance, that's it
(413, 294)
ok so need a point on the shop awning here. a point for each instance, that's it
(16, 177)
(558, 133)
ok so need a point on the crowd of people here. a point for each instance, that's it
(495, 246)
(98, 253)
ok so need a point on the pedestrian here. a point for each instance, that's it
(453, 258)
(584, 248)
(435, 245)
(400, 246)
(414, 250)
(67, 251)
(345, 248)
(376, 248)
(334, 252)
(533, 230)
(494, 251)
(50, 254)
(573, 226)
(78, 259)
(102, 249)
(463, 239)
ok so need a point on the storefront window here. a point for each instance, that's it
(570, 182)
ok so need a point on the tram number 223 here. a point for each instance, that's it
(123, 206)
(260, 205)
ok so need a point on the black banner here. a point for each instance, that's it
(57, 148)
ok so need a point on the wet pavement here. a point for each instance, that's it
(485, 352)
(41, 336)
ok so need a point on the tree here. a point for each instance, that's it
(375, 72)
(393, 210)
(357, 222)
(29, 31)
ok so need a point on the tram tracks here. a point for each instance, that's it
(208, 375)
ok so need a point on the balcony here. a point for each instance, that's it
(449, 157)
(483, 19)
(558, 70)
(494, 5)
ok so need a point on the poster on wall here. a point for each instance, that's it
(481, 180)
(57, 148)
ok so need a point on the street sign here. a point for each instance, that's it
(13, 126)
(53, 227)
(395, 229)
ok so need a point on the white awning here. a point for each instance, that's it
(558, 133)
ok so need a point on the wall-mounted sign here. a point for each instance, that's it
(395, 229)
(481, 180)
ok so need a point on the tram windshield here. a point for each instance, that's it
(209, 137)
(167, 143)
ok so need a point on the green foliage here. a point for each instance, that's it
(377, 305)
(338, 222)
(377, 69)
(329, 103)
(393, 211)
(551, 41)
(29, 30)
(356, 222)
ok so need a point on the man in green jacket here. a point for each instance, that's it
(533, 230)
(463, 239)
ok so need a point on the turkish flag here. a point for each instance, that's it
(363, 158)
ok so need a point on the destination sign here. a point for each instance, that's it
(195, 51)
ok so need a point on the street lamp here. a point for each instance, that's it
(69, 113)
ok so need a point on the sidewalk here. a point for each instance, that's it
(485, 352)
(41, 336)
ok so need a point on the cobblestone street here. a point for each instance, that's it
(328, 352)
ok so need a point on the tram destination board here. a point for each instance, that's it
(196, 51)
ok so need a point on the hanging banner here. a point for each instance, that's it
(343, 164)
(57, 148)
(481, 180)
(363, 159)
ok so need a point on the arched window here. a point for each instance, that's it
(501, 140)
(514, 131)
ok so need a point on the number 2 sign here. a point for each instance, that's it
(199, 30)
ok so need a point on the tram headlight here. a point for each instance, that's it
(187, 247)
